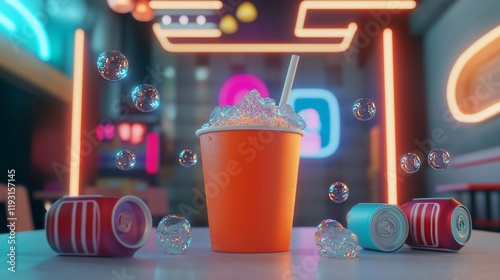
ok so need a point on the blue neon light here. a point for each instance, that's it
(41, 34)
(7, 23)
(320, 109)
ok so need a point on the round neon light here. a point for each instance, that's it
(237, 86)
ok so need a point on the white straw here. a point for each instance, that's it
(290, 75)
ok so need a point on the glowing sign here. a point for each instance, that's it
(235, 87)
(484, 49)
(152, 152)
(390, 118)
(124, 132)
(41, 34)
(320, 110)
(133, 133)
(138, 131)
(7, 23)
(346, 34)
(105, 131)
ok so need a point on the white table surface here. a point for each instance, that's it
(479, 259)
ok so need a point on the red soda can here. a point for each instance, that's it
(441, 224)
(93, 225)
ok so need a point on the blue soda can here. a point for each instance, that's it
(379, 226)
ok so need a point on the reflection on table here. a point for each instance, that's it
(477, 260)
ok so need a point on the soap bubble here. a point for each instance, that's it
(339, 192)
(125, 159)
(145, 97)
(335, 241)
(188, 158)
(112, 65)
(174, 234)
(364, 109)
(410, 163)
(439, 159)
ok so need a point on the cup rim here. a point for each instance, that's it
(248, 127)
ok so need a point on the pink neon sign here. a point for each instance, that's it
(152, 152)
(235, 87)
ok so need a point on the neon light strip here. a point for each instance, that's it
(186, 5)
(44, 51)
(359, 5)
(249, 48)
(9, 25)
(305, 6)
(347, 34)
(189, 26)
(152, 152)
(191, 33)
(390, 118)
(325, 32)
(451, 88)
(300, 31)
(76, 113)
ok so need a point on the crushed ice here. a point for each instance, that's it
(255, 110)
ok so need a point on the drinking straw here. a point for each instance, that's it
(290, 75)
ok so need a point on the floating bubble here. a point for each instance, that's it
(364, 109)
(125, 159)
(335, 241)
(439, 159)
(188, 158)
(339, 192)
(145, 97)
(410, 163)
(174, 234)
(112, 65)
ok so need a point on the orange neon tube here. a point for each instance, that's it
(490, 39)
(76, 113)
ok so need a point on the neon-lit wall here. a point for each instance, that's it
(458, 27)
(43, 28)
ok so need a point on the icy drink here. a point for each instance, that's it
(250, 154)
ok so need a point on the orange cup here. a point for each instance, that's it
(250, 175)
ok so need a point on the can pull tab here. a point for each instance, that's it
(386, 227)
(124, 222)
(461, 224)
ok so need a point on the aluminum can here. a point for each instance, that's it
(380, 227)
(93, 225)
(441, 224)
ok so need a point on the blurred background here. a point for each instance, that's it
(432, 67)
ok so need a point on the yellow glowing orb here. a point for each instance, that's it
(228, 24)
(246, 12)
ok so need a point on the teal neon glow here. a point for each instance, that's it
(326, 147)
(41, 34)
(7, 23)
